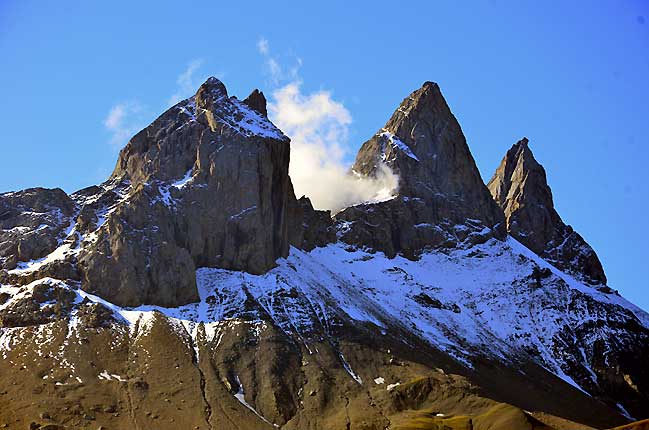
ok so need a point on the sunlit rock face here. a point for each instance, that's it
(209, 187)
(520, 188)
(441, 200)
(31, 222)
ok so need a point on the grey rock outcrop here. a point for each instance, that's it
(310, 228)
(257, 101)
(209, 186)
(520, 188)
(134, 258)
(441, 199)
(423, 143)
(32, 224)
(408, 226)
(40, 303)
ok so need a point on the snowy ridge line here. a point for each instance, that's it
(235, 114)
(615, 299)
(463, 302)
(253, 123)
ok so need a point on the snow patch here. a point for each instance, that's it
(180, 184)
(241, 398)
(349, 369)
(396, 143)
(466, 302)
(110, 376)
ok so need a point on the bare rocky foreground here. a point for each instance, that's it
(193, 290)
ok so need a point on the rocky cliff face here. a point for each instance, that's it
(213, 158)
(520, 188)
(31, 223)
(441, 200)
(169, 297)
(206, 184)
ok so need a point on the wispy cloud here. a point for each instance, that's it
(318, 127)
(262, 46)
(277, 72)
(123, 121)
(189, 81)
(127, 118)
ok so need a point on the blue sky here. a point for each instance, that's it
(571, 76)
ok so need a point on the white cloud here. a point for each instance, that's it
(274, 69)
(318, 127)
(262, 46)
(115, 117)
(123, 121)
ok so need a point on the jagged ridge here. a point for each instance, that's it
(198, 217)
(520, 187)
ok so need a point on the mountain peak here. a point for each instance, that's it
(439, 183)
(206, 175)
(521, 189)
(523, 142)
(257, 101)
(426, 101)
(181, 129)
(521, 146)
(520, 167)
(214, 84)
(423, 143)
(211, 92)
(522, 149)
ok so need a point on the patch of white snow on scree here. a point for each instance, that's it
(110, 376)
(240, 395)
(64, 250)
(184, 180)
(349, 369)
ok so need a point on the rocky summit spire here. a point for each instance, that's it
(520, 188)
(169, 146)
(440, 189)
(208, 185)
(257, 101)
(423, 143)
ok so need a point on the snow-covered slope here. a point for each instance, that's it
(496, 300)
